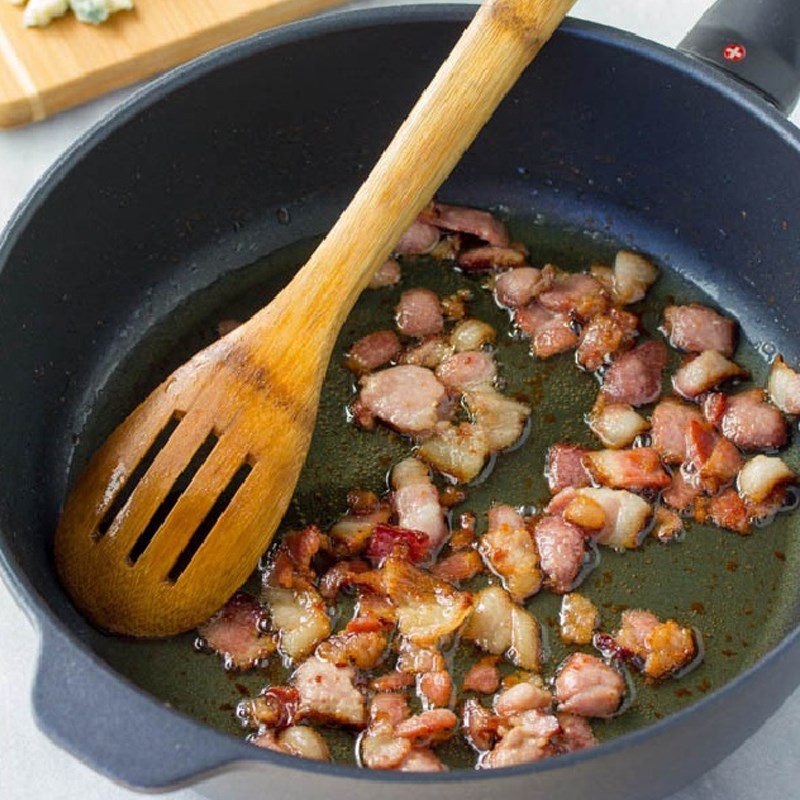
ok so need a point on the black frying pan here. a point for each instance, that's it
(198, 175)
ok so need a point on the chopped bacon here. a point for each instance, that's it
(695, 328)
(458, 451)
(349, 535)
(550, 332)
(517, 287)
(430, 353)
(274, 707)
(422, 759)
(588, 687)
(363, 648)
(728, 510)
(416, 502)
(584, 512)
(669, 424)
(747, 419)
(479, 724)
(576, 733)
(393, 681)
(490, 257)
(407, 398)
(500, 419)
(483, 676)
(428, 727)
(328, 694)
(339, 575)
(576, 294)
(667, 524)
(635, 377)
(518, 746)
(704, 372)
(387, 539)
(564, 467)
(639, 468)
(761, 476)
(578, 619)
(471, 334)
(373, 351)
(632, 277)
(235, 632)
(511, 552)
(561, 551)
(616, 425)
(466, 220)
(681, 494)
(435, 688)
(604, 335)
(526, 695)
(712, 461)
(300, 618)
(418, 240)
(380, 747)
(784, 387)
(388, 274)
(467, 371)
(454, 306)
(459, 566)
(297, 740)
(417, 659)
(291, 568)
(419, 313)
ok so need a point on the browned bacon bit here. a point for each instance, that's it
(524, 696)
(422, 759)
(226, 326)
(373, 351)
(635, 628)
(761, 478)
(561, 551)
(416, 502)
(428, 727)
(575, 293)
(466, 220)
(639, 468)
(463, 536)
(588, 687)
(701, 373)
(784, 387)
(632, 276)
(668, 426)
(349, 535)
(418, 240)
(393, 681)
(616, 425)
(235, 632)
(695, 328)
(483, 676)
(490, 257)
(635, 377)
(459, 566)
(454, 306)
(747, 419)
(328, 695)
(406, 397)
(275, 707)
(681, 494)
(298, 740)
(419, 313)
(467, 371)
(361, 648)
(388, 274)
(388, 539)
(339, 575)
(667, 525)
(479, 724)
(578, 619)
(564, 467)
(517, 287)
(291, 566)
(728, 510)
(712, 461)
(518, 746)
(435, 688)
(430, 353)
(604, 335)
(576, 733)
(451, 496)
(416, 659)
(380, 747)
(550, 332)
(471, 334)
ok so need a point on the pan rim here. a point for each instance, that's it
(233, 751)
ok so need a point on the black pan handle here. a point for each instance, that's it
(756, 41)
(79, 704)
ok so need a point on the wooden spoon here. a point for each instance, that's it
(177, 506)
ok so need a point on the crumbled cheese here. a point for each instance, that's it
(40, 12)
(97, 11)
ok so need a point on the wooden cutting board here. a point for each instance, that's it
(44, 70)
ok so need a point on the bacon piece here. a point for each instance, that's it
(500, 419)
(471, 370)
(363, 648)
(575, 293)
(576, 733)
(632, 277)
(373, 351)
(639, 468)
(416, 502)
(459, 566)
(479, 724)
(668, 427)
(747, 419)
(578, 619)
(517, 287)
(694, 328)
(761, 476)
(728, 510)
(300, 617)
(518, 746)
(784, 387)
(712, 461)
(418, 659)
(297, 740)
(388, 274)
(588, 687)
(418, 240)
(667, 525)
(428, 727)
(350, 534)
(466, 220)
(235, 632)
(435, 688)
(550, 332)
(380, 747)
(586, 513)
(490, 257)
(388, 539)
(561, 551)
(430, 353)
(422, 759)
(471, 334)
(635, 377)
(616, 425)
(459, 451)
(604, 335)
(564, 467)
(419, 313)
(524, 696)
(510, 551)
(393, 682)
(274, 707)
(483, 676)
(704, 372)
(497, 625)
(328, 694)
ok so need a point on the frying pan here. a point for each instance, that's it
(259, 145)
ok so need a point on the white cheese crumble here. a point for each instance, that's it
(40, 12)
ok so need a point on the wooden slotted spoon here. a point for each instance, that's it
(228, 431)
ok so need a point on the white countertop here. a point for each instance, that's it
(767, 766)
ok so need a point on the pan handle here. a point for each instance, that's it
(756, 41)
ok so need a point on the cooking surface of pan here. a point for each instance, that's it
(117, 269)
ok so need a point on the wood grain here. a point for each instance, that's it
(44, 70)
